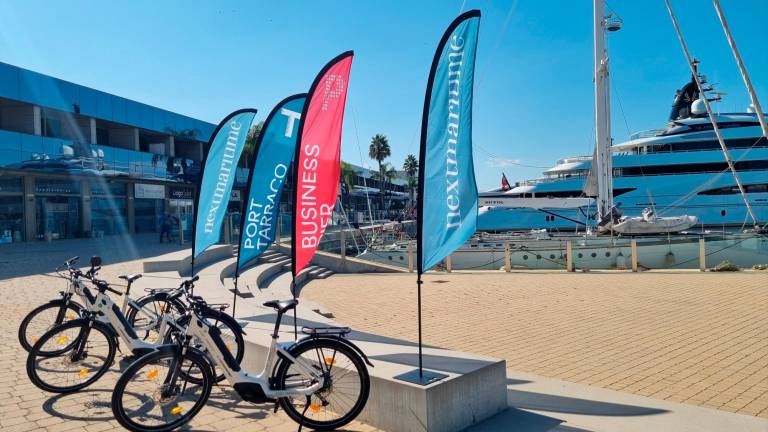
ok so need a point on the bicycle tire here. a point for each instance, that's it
(158, 297)
(164, 352)
(24, 340)
(82, 324)
(300, 417)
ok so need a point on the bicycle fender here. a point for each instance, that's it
(344, 341)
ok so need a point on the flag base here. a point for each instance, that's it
(424, 378)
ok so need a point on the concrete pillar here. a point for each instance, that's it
(569, 255)
(92, 127)
(448, 264)
(410, 257)
(507, 257)
(702, 255)
(343, 245)
(171, 146)
(201, 151)
(136, 145)
(85, 207)
(130, 208)
(633, 254)
(37, 119)
(30, 216)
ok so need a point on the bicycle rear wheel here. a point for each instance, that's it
(45, 317)
(146, 319)
(153, 394)
(345, 391)
(87, 354)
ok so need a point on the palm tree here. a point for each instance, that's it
(250, 143)
(411, 166)
(390, 173)
(379, 150)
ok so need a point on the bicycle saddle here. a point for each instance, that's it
(281, 306)
(130, 277)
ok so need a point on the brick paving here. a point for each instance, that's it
(23, 407)
(697, 338)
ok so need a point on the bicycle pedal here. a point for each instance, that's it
(277, 406)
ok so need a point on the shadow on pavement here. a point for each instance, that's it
(563, 404)
(31, 258)
(517, 420)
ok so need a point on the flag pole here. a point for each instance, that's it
(421, 376)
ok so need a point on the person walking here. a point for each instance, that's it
(165, 227)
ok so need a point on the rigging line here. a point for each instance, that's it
(678, 202)
(357, 138)
(704, 99)
(478, 147)
(502, 32)
(742, 69)
(621, 109)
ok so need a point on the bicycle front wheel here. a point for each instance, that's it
(44, 318)
(346, 388)
(84, 354)
(153, 394)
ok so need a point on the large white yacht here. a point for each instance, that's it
(676, 170)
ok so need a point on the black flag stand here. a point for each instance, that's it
(421, 376)
(234, 295)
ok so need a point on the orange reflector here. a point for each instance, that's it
(34, 340)
(62, 340)
(162, 309)
(83, 372)
(71, 316)
(330, 361)
(314, 407)
(176, 410)
(152, 374)
(229, 347)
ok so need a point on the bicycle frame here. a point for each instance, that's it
(209, 338)
(103, 305)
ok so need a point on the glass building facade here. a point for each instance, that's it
(78, 162)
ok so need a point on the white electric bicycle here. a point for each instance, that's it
(144, 314)
(76, 353)
(321, 381)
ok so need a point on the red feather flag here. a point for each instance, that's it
(317, 159)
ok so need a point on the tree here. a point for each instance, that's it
(379, 150)
(411, 167)
(250, 143)
(390, 173)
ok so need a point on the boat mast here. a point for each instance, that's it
(703, 96)
(602, 160)
(743, 70)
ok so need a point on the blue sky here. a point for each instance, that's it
(533, 89)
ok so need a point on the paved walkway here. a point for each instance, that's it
(23, 407)
(684, 337)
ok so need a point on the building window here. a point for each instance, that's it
(58, 217)
(11, 219)
(108, 216)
